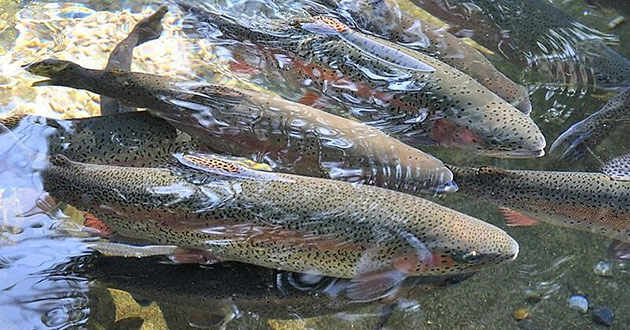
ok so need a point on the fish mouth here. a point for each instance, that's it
(513, 153)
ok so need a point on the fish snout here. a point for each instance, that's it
(503, 250)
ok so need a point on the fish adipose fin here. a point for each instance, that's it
(618, 168)
(516, 219)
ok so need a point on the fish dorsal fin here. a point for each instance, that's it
(491, 170)
(618, 168)
(220, 165)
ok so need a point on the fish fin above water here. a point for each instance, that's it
(96, 225)
(516, 219)
(375, 285)
(618, 250)
(618, 168)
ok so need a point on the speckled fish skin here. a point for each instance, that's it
(521, 30)
(147, 29)
(575, 142)
(264, 293)
(292, 137)
(590, 202)
(380, 18)
(280, 221)
(445, 106)
(128, 139)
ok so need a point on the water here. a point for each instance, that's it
(50, 279)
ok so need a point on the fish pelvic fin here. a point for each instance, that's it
(517, 219)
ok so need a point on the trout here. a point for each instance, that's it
(576, 141)
(419, 98)
(380, 18)
(593, 202)
(290, 137)
(537, 34)
(217, 210)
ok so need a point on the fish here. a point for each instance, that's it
(586, 134)
(598, 203)
(147, 29)
(534, 33)
(216, 210)
(127, 139)
(405, 93)
(382, 19)
(290, 137)
(226, 291)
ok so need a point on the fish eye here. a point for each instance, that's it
(473, 257)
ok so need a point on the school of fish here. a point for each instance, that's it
(210, 174)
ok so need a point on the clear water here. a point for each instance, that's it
(50, 279)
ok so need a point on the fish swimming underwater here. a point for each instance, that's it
(147, 29)
(225, 291)
(576, 141)
(380, 18)
(217, 210)
(535, 33)
(592, 202)
(403, 92)
(289, 136)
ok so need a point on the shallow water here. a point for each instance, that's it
(48, 275)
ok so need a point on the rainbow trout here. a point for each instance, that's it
(290, 137)
(593, 202)
(227, 212)
(537, 34)
(408, 93)
(576, 141)
(378, 17)
(225, 291)
(147, 29)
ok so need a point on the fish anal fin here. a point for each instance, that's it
(618, 168)
(96, 225)
(194, 256)
(517, 219)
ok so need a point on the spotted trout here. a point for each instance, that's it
(380, 18)
(226, 212)
(593, 202)
(290, 137)
(535, 33)
(576, 141)
(401, 91)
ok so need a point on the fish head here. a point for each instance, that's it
(610, 69)
(496, 129)
(457, 244)
(59, 72)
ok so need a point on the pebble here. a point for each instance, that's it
(604, 269)
(603, 316)
(521, 314)
(579, 303)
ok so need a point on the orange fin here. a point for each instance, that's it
(193, 256)
(309, 99)
(374, 286)
(96, 225)
(517, 219)
(243, 67)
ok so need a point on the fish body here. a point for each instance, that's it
(590, 202)
(280, 221)
(380, 18)
(535, 33)
(588, 133)
(419, 98)
(289, 136)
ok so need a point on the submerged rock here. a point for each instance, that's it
(579, 303)
(603, 316)
(604, 269)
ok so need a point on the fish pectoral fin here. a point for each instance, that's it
(618, 168)
(517, 219)
(109, 249)
(45, 204)
(95, 225)
(618, 250)
(193, 256)
(375, 285)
